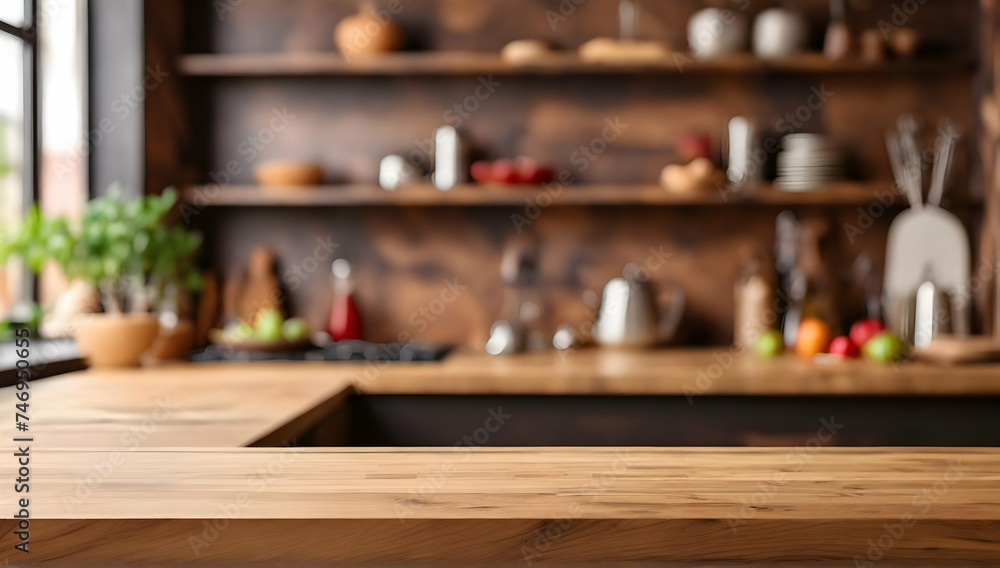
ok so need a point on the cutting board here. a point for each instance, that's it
(956, 350)
(926, 243)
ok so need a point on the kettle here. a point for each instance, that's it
(631, 316)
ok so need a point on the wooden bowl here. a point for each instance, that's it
(116, 340)
(288, 174)
(365, 33)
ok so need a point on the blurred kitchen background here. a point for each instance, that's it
(490, 167)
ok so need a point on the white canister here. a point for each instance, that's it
(395, 171)
(713, 32)
(449, 158)
(779, 33)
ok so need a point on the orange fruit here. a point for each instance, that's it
(814, 337)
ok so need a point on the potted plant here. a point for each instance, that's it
(172, 275)
(126, 251)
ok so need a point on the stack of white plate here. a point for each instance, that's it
(808, 162)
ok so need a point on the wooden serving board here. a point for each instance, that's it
(957, 350)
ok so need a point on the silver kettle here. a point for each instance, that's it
(631, 316)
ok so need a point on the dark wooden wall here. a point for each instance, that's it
(403, 255)
(988, 88)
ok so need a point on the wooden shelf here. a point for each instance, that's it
(844, 193)
(466, 63)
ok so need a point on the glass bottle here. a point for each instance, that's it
(345, 320)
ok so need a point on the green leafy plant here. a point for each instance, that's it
(123, 248)
(29, 317)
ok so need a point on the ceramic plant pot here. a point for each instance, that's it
(116, 340)
(173, 343)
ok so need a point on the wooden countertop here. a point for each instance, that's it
(535, 505)
(673, 372)
(184, 405)
(242, 404)
(143, 466)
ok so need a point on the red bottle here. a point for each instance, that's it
(345, 321)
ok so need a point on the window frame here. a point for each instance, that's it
(31, 168)
(28, 34)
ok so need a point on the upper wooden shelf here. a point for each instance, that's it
(459, 63)
(845, 193)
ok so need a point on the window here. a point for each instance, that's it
(18, 130)
(43, 152)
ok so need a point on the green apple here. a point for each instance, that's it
(238, 331)
(295, 329)
(885, 348)
(769, 344)
(268, 326)
(243, 331)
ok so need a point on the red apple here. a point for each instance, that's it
(482, 171)
(530, 171)
(505, 172)
(693, 146)
(843, 347)
(864, 330)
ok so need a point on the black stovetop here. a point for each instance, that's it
(339, 351)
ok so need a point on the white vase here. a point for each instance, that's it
(713, 32)
(779, 33)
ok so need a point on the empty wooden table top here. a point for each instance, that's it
(165, 482)
(536, 505)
